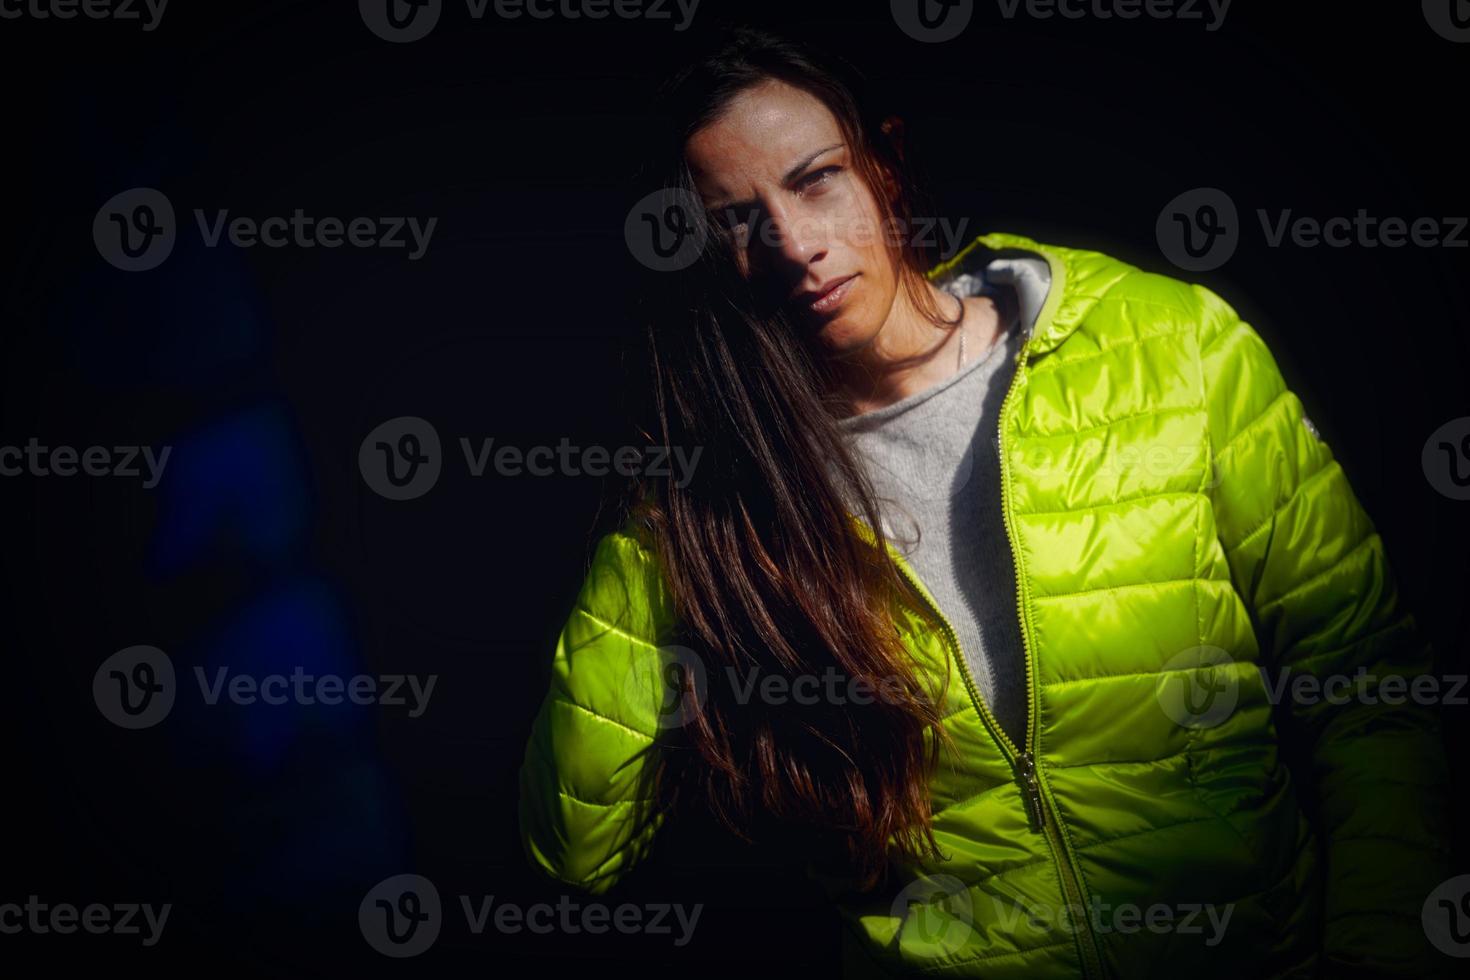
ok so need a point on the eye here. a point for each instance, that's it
(817, 178)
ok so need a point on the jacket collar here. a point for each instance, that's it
(1078, 280)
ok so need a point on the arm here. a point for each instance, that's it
(1311, 568)
(585, 782)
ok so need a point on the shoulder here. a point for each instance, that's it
(1106, 298)
(625, 586)
(1149, 324)
(1135, 289)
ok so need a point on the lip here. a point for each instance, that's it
(827, 297)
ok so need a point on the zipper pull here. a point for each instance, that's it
(1031, 789)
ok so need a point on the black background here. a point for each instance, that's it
(265, 368)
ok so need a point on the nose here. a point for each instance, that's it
(789, 242)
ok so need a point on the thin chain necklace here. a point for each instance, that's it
(961, 327)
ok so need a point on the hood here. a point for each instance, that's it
(1054, 298)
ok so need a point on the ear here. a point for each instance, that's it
(892, 127)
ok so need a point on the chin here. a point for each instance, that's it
(844, 337)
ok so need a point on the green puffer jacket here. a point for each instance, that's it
(1184, 541)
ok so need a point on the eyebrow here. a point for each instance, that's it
(787, 178)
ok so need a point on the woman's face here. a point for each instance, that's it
(779, 178)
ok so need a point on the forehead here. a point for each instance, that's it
(764, 131)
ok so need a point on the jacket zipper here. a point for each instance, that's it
(1040, 810)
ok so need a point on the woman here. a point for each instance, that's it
(981, 591)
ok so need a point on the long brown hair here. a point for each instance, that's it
(768, 572)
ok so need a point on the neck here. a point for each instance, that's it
(908, 354)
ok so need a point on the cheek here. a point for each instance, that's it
(880, 282)
(878, 295)
(860, 227)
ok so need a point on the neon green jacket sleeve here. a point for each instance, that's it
(1312, 569)
(585, 812)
